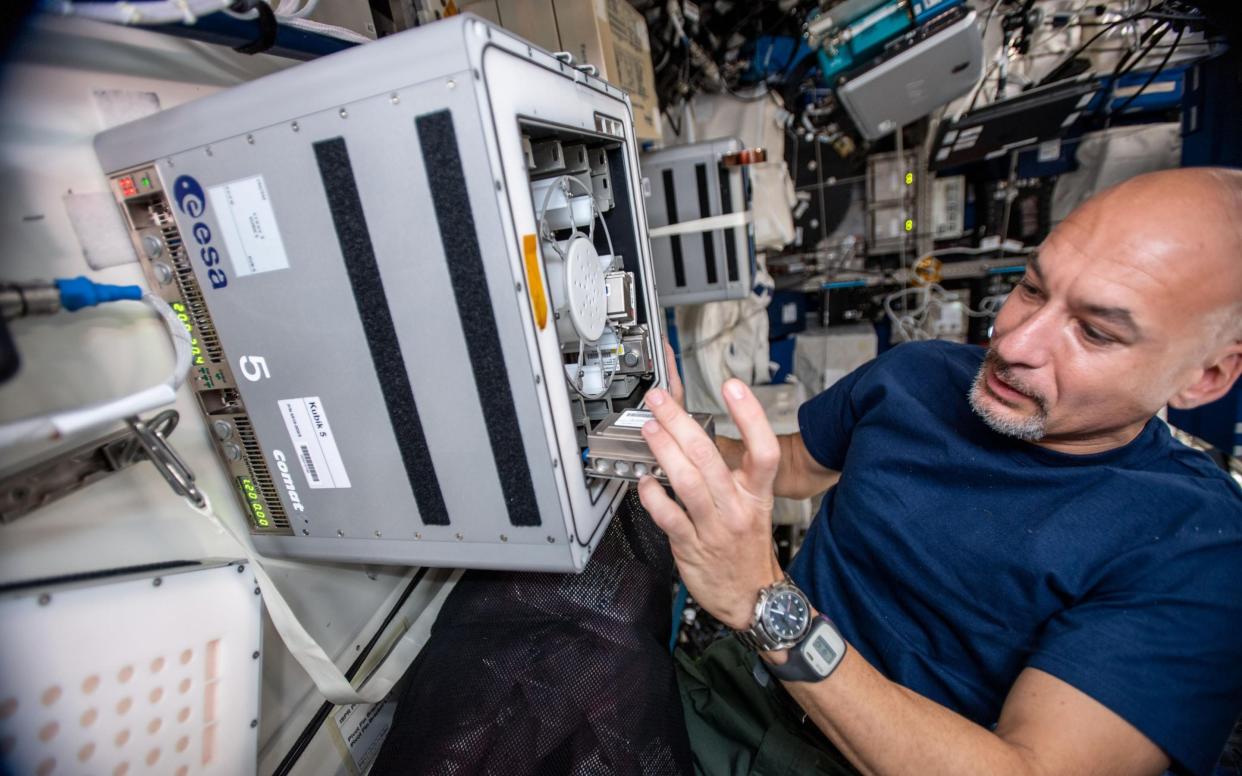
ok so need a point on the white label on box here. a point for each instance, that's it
(313, 443)
(363, 728)
(249, 226)
(634, 418)
(789, 312)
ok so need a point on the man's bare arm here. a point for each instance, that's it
(1047, 728)
(799, 474)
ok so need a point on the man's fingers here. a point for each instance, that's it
(763, 451)
(695, 444)
(675, 387)
(685, 478)
(664, 511)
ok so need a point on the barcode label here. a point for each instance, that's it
(309, 464)
(633, 419)
(307, 423)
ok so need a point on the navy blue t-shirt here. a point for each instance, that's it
(952, 557)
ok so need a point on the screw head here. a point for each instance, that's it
(241, 568)
(254, 723)
(344, 113)
(305, 532)
(157, 582)
(378, 534)
(417, 535)
(459, 536)
(340, 533)
(222, 429)
(394, 98)
(450, 83)
(44, 599)
(209, 151)
(153, 247)
(250, 139)
(163, 273)
(551, 540)
(504, 538)
(294, 126)
(254, 655)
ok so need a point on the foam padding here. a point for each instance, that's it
(350, 223)
(446, 181)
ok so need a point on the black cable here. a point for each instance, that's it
(1154, 74)
(1054, 74)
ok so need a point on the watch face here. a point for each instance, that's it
(786, 615)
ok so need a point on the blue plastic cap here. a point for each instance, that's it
(79, 292)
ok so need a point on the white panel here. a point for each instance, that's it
(158, 674)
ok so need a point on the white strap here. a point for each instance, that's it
(329, 679)
(702, 224)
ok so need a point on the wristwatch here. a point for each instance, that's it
(814, 657)
(782, 618)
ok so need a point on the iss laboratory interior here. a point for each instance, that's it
(591, 387)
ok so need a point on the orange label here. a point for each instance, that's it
(534, 281)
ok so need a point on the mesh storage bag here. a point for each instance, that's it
(550, 673)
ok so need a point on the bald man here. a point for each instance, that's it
(1029, 575)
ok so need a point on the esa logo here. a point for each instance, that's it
(190, 200)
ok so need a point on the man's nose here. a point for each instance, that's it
(1030, 340)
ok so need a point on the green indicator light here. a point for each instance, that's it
(146, 182)
(909, 178)
(909, 225)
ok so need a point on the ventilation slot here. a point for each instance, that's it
(260, 477)
(184, 273)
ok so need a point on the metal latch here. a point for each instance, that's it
(54, 478)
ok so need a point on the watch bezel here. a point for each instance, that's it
(794, 595)
(757, 636)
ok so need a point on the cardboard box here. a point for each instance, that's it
(609, 34)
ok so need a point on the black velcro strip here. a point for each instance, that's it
(726, 207)
(460, 240)
(670, 207)
(339, 185)
(705, 211)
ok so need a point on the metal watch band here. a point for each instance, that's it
(756, 636)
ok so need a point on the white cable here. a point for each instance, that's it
(330, 680)
(59, 424)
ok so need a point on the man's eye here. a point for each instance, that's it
(1028, 288)
(1094, 335)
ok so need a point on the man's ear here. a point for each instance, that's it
(1214, 380)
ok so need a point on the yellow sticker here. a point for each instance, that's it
(534, 281)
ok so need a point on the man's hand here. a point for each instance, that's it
(675, 387)
(722, 540)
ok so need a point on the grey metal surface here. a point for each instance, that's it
(681, 161)
(303, 319)
(916, 81)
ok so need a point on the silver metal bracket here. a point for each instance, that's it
(42, 483)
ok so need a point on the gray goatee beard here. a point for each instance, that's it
(1028, 429)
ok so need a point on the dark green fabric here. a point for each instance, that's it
(737, 727)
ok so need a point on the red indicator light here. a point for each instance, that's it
(128, 188)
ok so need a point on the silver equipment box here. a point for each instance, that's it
(416, 273)
(940, 61)
(690, 187)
